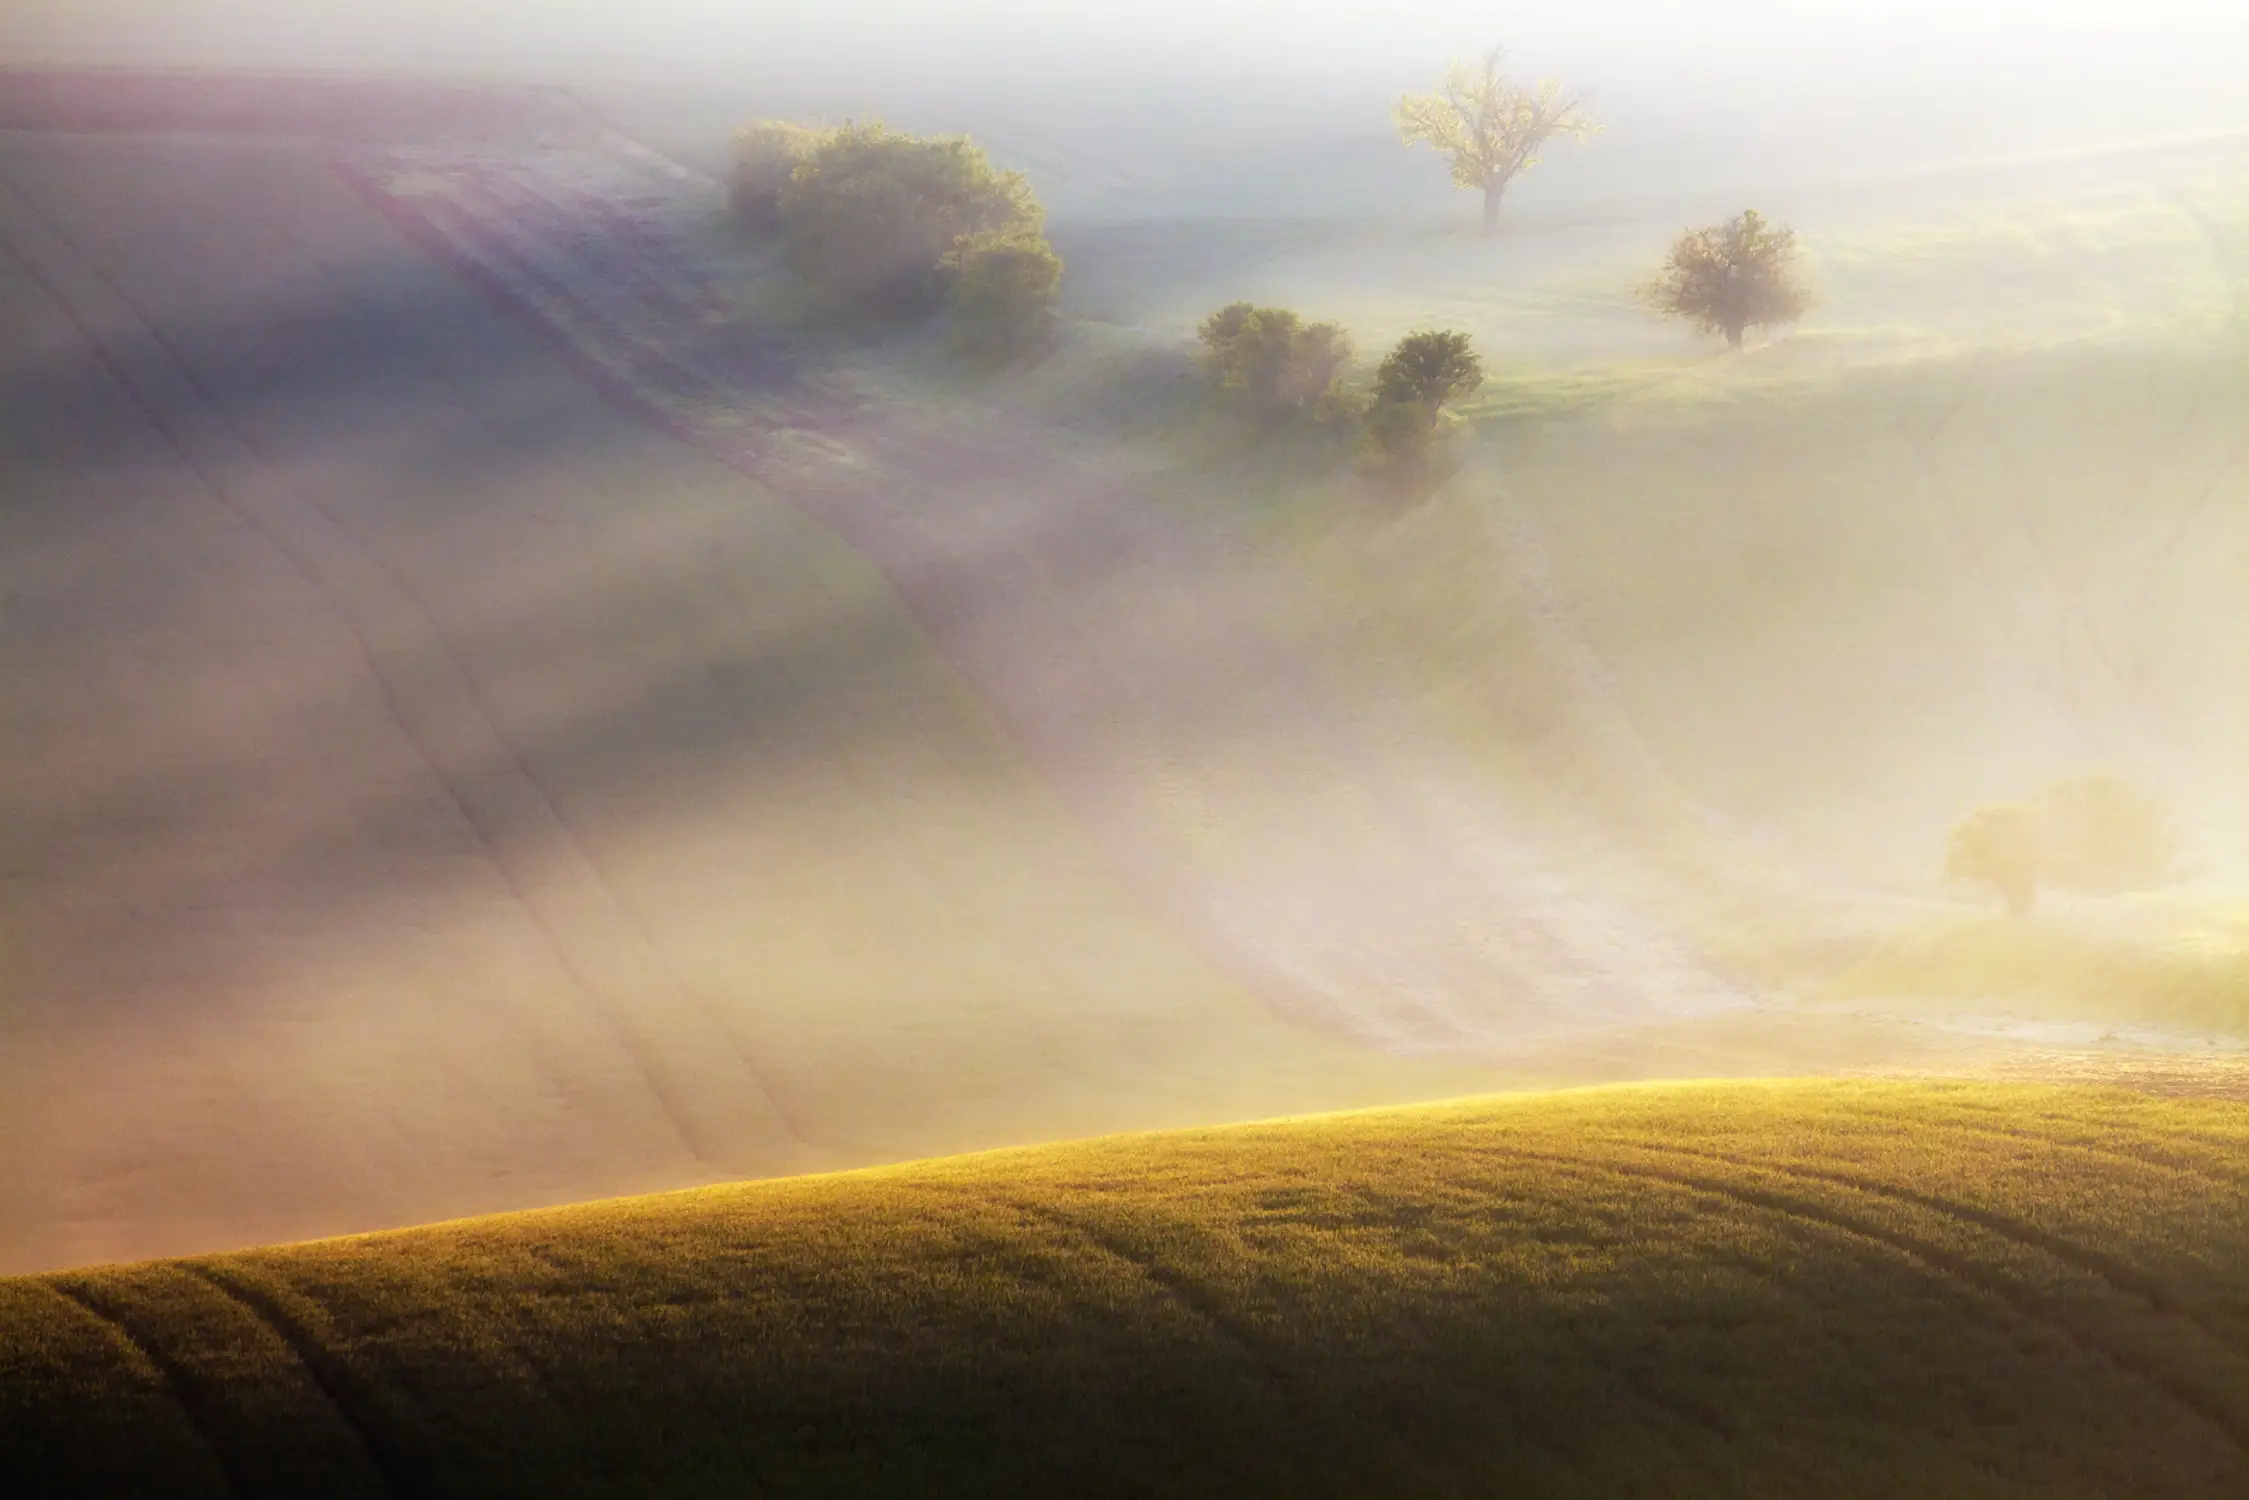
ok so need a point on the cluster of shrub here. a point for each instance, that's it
(2093, 835)
(896, 226)
(1272, 367)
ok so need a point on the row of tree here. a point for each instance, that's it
(891, 225)
(1271, 365)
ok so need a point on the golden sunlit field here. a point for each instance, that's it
(1838, 1289)
(517, 699)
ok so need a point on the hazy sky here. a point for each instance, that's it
(2072, 37)
(2061, 71)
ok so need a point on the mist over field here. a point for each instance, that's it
(1735, 94)
(511, 698)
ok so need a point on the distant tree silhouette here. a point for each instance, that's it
(1998, 847)
(2101, 836)
(1490, 126)
(1730, 277)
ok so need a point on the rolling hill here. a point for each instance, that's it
(1847, 1289)
(433, 790)
(501, 715)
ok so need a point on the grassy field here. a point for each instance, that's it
(1815, 1288)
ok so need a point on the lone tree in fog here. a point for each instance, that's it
(1491, 126)
(1730, 277)
(2102, 836)
(1998, 847)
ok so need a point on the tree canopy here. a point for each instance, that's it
(1271, 362)
(2102, 836)
(1417, 379)
(1491, 126)
(765, 156)
(1732, 276)
(870, 214)
(1004, 283)
(1997, 847)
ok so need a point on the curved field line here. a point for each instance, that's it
(2116, 1274)
(352, 1404)
(2231, 1424)
(322, 574)
(641, 928)
(2206, 1171)
(1182, 1290)
(315, 579)
(184, 1389)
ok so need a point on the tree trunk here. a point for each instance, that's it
(1493, 192)
(1733, 337)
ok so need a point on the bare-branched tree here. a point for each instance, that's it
(1490, 126)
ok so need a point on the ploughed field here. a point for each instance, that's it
(1668, 1290)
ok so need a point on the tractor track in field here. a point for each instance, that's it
(356, 1407)
(196, 1407)
(2115, 1274)
(586, 926)
(1950, 1268)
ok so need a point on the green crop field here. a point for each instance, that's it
(1835, 1289)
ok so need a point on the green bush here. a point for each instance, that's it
(870, 214)
(1272, 364)
(766, 155)
(1418, 378)
(1003, 284)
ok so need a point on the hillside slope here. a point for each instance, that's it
(1833, 1289)
(430, 791)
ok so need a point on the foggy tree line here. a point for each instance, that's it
(886, 225)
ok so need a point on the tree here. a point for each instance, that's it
(1416, 381)
(2102, 836)
(869, 214)
(1729, 277)
(1003, 287)
(1998, 847)
(1491, 126)
(1271, 362)
(766, 155)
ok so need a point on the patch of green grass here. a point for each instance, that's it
(1822, 1288)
